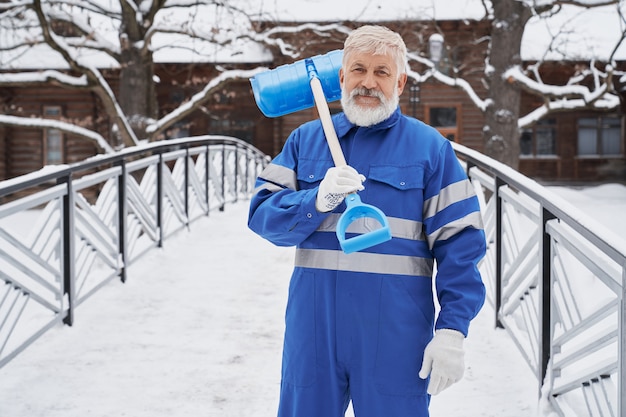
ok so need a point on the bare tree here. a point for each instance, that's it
(591, 85)
(126, 34)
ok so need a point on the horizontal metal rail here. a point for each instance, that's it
(66, 231)
(544, 256)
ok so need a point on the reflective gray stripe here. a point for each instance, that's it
(268, 186)
(474, 220)
(400, 228)
(280, 175)
(374, 263)
(451, 194)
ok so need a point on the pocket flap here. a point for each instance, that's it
(312, 171)
(401, 177)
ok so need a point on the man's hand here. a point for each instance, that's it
(443, 360)
(337, 183)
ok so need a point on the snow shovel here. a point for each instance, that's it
(303, 83)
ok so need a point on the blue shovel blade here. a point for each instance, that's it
(357, 210)
(286, 89)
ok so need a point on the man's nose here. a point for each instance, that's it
(369, 81)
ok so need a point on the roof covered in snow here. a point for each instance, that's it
(573, 33)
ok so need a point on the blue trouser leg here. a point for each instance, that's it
(328, 396)
(357, 336)
(313, 384)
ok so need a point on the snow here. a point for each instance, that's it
(580, 33)
(57, 124)
(197, 331)
(373, 10)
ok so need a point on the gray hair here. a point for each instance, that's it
(377, 40)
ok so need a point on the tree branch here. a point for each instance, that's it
(586, 4)
(432, 72)
(43, 78)
(94, 77)
(515, 75)
(190, 106)
(35, 122)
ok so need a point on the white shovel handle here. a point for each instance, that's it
(327, 123)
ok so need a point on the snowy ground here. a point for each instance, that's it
(197, 331)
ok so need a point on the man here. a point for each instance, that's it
(359, 326)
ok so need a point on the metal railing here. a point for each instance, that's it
(86, 223)
(556, 279)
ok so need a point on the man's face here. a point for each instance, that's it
(375, 72)
(370, 86)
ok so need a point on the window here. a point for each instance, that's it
(53, 142)
(444, 119)
(599, 136)
(54, 147)
(540, 140)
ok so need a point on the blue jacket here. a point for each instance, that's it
(361, 321)
(413, 176)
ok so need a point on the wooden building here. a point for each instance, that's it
(565, 147)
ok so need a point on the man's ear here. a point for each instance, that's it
(341, 77)
(401, 82)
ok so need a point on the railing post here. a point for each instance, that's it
(468, 166)
(621, 346)
(159, 202)
(122, 213)
(498, 269)
(186, 184)
(246, 186)
(223, 177)
(69, 287)
(236, 173)
(545, 298)
(207, 178)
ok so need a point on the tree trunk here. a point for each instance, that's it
(501, 133)
(137, 91)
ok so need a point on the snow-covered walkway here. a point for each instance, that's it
(197, 331)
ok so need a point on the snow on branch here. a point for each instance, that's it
(432, 72)
(94, 77)
(42, 77)
(92, 39)
(463, 85)
(199, 98)
(35, 122)
(565, 97)
(607, 102)
(268, 37)
(515, 74)
(586, 3)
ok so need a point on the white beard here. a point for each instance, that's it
(366, 116)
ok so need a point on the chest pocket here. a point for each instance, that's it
(399, 177)
(397, 190)
(311, 172)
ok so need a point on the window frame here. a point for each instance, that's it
(599, 142)
(54, 112)
(445, 131)
(550, 123)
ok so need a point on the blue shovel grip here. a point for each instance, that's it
(354, 211)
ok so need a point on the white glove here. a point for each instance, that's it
(337, 183)
(443, 360)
